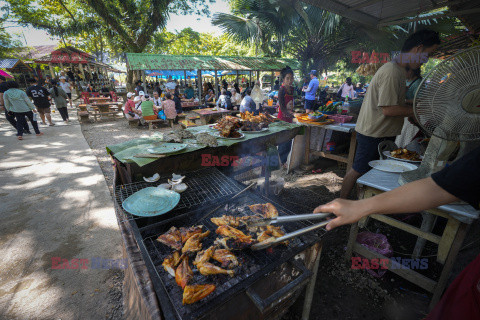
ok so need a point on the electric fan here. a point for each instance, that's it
(447, 106)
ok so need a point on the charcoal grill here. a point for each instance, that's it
(268, 280)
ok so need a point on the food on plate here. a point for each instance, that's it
(204, 256)
(267, 210)
(228, 127)
(207, 139)
(171, 238)
(193, 244)
(253, 126)
(261, 118)
(183, 273)
(194, 293)
(405, 154)
(186, 233)
(226, 258)
(208, 268)
(171, 262)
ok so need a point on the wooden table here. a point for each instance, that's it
(209, 115)
(346, 128)
(105, 109)
(99, 99)
(458, 216)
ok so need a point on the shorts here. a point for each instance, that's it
(310, 104)
(69, 94)
(367, 150)
(42, 111)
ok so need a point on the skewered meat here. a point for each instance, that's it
(171, 262)
(188, 232)
(183, 273)
(231, 232)
(207, 268)
(171, 238)
(194, 293)
(226, 258)
(267, 210)
(194, 244)
(204, 256)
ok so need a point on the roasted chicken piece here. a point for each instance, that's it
(231, 232)
(183, 273)
(226, 258)
(188, 232)
(275, 231)
(262, 236)
(171, 262)
(233, 244)
(193, 244)
(231, 221)
(207, 268)
(204, 256)
(267, 210)
(171, 238)
(194, 293)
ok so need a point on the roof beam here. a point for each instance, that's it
(446, 14)
(341, 9)
(363, 4)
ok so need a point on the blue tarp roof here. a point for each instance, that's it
(192, 74)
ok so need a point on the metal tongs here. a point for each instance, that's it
(282, 219)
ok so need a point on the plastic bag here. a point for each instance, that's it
(376, 242)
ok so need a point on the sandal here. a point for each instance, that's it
(20, 138)
(39, 134)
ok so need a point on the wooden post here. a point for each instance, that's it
(273, 81)
(52, 73)
(258, 75)
(216, 85)
(80, 66)
(144, 78)
(250, 81)
(237, 77)
(185, 77)
(199, 78)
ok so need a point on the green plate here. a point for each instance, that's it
(167, 148)
(151, 201)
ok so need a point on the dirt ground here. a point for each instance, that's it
(340, 293)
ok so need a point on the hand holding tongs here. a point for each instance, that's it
(282, 219)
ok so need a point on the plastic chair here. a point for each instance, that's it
(386, 145)
(114, 96)
(85, 96)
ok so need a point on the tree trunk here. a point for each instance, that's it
(129, 81)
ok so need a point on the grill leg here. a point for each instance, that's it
(307, 305)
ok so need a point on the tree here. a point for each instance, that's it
(127, 25)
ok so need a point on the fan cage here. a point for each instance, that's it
(438, 100)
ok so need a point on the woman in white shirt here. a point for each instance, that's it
(236, 98)
(347, 89)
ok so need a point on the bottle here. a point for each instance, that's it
(346, 106)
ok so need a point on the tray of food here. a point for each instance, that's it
(228, 128)
(403, 154)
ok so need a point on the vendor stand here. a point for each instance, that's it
(459, 217)
(266, 291)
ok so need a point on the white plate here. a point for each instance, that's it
(387, 154)
(217, 135)
(392, 166)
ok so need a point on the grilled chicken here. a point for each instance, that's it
(226, 258)
(193, 244)
(207, 268)
(230, 232)
(267, 210)
(204, 256)
(263, 236)
(186, 233)
(171, 262)
(233, 244)
(194, 293)
(171, 238)
(275, 231)
(231, 221)
(183, 273)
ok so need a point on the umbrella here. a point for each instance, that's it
(5, 74)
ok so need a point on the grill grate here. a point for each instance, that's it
(205, 185)
(254, 264)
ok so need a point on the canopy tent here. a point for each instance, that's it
(170, 65)
(380, 13)
(5, 74)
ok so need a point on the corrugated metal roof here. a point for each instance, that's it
(8, 63)
(387, 12)
(145, 61)
(14, 65)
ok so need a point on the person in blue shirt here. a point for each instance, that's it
(189, 93)
(310, 92)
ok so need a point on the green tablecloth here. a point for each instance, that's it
(126, 151)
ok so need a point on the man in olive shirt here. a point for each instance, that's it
(384, 107)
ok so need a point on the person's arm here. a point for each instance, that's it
(29, 102)
(310, 87)
(388, 98)
(281, 100)
(6, 102)
(421, 195)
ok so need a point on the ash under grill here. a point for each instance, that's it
(254, 264)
